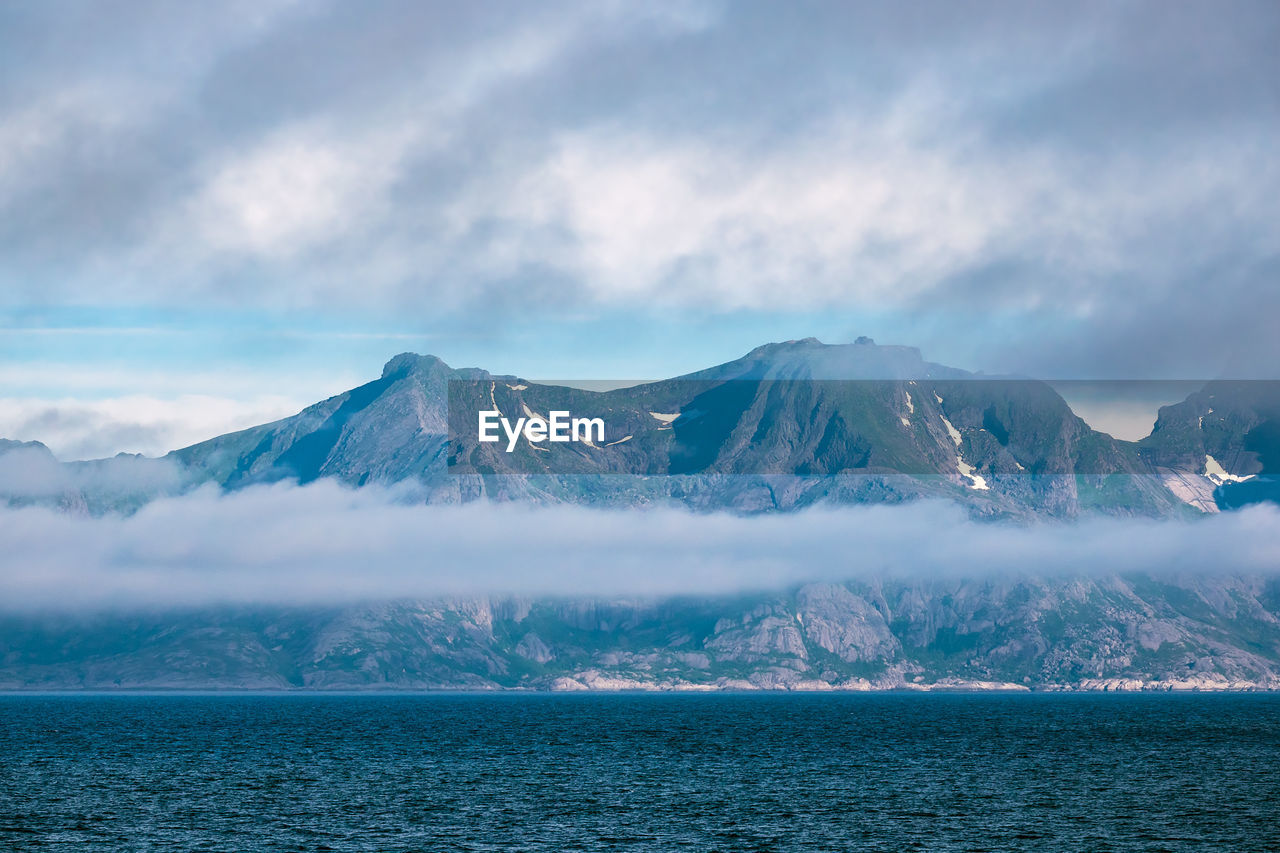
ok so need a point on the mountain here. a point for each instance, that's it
(1088, 632)
(785, 426)
(1228, 432)
(31, 475)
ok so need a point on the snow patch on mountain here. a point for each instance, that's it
(975, 481)
(952, 431)
(1220, 475)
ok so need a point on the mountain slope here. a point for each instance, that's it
(786, 425)
(1109, 631)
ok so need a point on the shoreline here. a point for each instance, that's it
(917, 690)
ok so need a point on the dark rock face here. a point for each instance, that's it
(1226, 431)
(1087, 632)
(1236, 422)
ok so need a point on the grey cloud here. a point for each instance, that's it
(323, 543)
(1070, 190)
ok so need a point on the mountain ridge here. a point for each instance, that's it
(787, 425)
(833, 443)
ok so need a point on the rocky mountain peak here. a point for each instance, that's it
(37, 447)
(410, 362)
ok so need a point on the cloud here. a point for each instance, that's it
(856, 211)
(844, 214)
(87, 82)
(325, 543)
(292, 192)
(31, 473)
(91, 429)
(1029, 189)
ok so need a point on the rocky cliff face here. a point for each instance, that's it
(1228, 433)
(1109, 631)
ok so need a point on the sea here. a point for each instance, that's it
(702, 772)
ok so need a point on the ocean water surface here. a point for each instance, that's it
(639, 772)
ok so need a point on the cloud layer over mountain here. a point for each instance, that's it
(323, 543)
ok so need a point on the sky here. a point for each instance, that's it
(212, 215)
